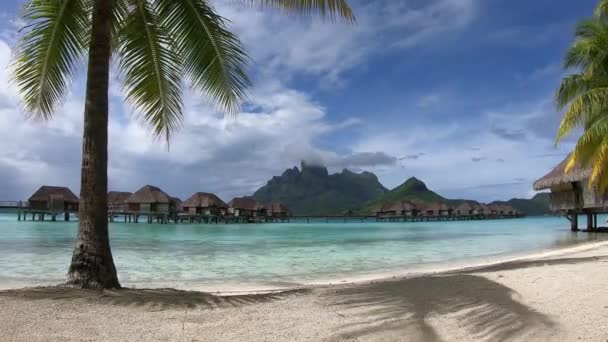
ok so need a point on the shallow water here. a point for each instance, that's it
(186, 255)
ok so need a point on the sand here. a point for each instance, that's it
(559, 297)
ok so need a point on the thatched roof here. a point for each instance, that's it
(432, 206)
(245, 203)
(45, 192)
(276, 208)
(559, 176)
(204, 200)
(149, 194)
(483, 207)
(464, 206)
(118, 197)
(397, 206)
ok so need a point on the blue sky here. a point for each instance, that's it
(455, 92)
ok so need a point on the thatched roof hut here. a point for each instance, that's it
(464, 208)
(276, 209)
(117, 200)
(401, 208)
(246, 207)
(245, 203)
(204, 200)
(204, 203)
(431, 209)
(572, 195)
(558, 176)
(54, 198)
(149, 194)
(149, 198)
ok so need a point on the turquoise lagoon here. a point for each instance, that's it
(204, 256)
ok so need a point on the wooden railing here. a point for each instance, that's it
(13, 204)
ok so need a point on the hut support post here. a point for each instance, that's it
(595, 221)
(589, 221)
(573, 218)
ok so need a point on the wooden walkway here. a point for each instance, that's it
(23, 211)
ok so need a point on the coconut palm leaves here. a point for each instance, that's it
(158, 44)
(584, 96)
(331, 8)
(151, 68)
(49, 52)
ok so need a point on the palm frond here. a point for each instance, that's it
(588, 143)
(213, 59)
(324, 8)
(592, 101)
(151, 69)
(600, 159)
(601, 10)
(48, 52)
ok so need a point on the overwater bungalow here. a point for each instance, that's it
(571, 194)
(49, 200)
(206, 204)
(277, 210)
(464, 209)
(397, 209)
(149, 199)
(176, 205)
(430, 209)
(493, 210)
(445, 210)
(246, 207)
(53, 198)
(117, 201)
(508, 210)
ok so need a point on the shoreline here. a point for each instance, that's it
(471, 265)
(556, 295)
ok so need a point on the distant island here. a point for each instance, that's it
(311, 190)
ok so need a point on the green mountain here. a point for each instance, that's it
(412, 189)
(312, 191)
(535, 206)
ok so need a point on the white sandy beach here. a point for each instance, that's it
(558, 296)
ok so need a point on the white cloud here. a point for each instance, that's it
(275, 130)
(283, 45)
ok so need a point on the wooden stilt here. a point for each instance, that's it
(574, 222)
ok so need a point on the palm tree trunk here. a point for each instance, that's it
(92, 264)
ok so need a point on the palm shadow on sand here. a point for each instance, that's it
(400, 310)
(156, 299)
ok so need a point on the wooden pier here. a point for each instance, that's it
(24, 210)
(131, 216)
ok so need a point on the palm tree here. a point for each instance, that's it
(156, 43)
(584, 95)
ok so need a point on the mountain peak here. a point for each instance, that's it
(413, 184)
(312, 191)
(309, 168)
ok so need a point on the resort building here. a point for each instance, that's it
(204, 203)
(277, 210)
(246, 207)
(403, 208)
(431, 209)
(464, 209)
(445, 210)
(175, 205)
(149, 199)
(117, 201)
(54, 198)
(493, 209)
(571, 194)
